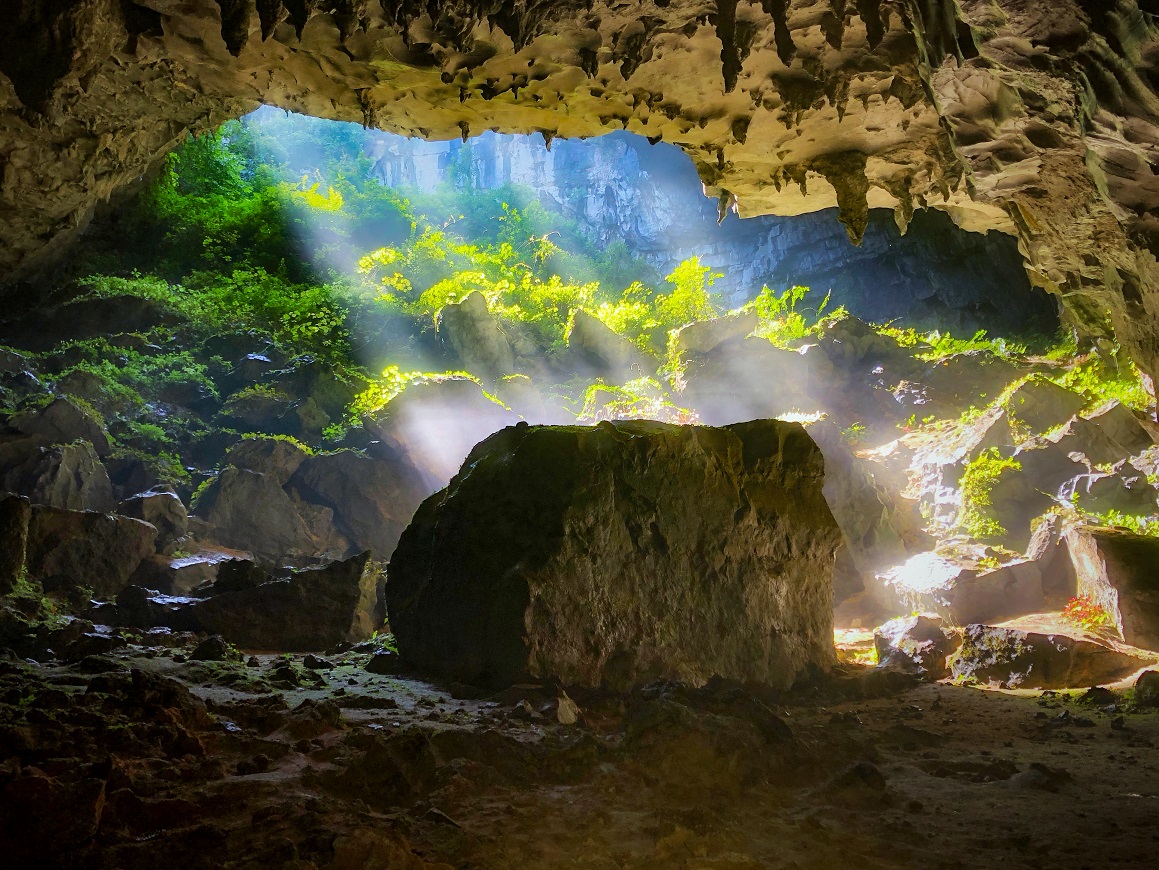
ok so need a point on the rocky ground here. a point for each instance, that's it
(146, 755)
(1009, 499)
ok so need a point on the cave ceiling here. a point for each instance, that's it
(1034, 118)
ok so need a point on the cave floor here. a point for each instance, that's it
(349, 769)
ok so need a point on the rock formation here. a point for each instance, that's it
(621, 554)
(1037, 120)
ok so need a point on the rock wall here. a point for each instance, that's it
(1035, 119)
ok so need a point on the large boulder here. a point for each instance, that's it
(85, 549)
(620, 554)
(915, 644)
(749, 379)
(435, 422)
(1039, 405)
(312, 610)
(1117, 570)
(1031, 660)
(474, 335)
(277, 457)
(372, 499)
(706, 335)
(15, 514)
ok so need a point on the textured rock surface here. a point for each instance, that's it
(1033, 119)
(15, 513)
(1028, 660)
(312, 610)
(621, 554)
(915, 643)
(1118, 570)
(929, 583)
(71, 549)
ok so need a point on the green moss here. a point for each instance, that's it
(977, 517)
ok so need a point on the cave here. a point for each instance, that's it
(660, 434)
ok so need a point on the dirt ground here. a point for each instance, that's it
(134, 759)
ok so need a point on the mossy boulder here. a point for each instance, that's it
(620, 554)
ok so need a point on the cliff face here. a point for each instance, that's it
(1035, 119)
(619, 188)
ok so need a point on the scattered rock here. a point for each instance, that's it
(163, 510)
(214, 649)
(604, 352)
(580, 553)
(277, 458)
(1039, 405)
(1028, 660)
(250, 511)
(476, 337)
(385, 662)
(68, 476)
(372, 500)
(930, 583)
(704, 336)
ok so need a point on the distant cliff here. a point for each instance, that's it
(620, 187)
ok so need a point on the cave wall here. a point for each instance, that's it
(1031, 118)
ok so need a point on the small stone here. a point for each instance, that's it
(316, 663)
(213, 649)
(567, 711)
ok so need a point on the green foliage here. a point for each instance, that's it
(780, 321)
(390, 383)
(936, 345)
(977, 517)
(1099, 380)
(639, 399)
(1117, 520)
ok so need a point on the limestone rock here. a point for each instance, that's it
(1125, 491)
(596, 347)
(706, 335)
(1116, 570)
(435, 422)
(63, 422)
(246, 510)
(15, 514)
(1048, 550)
(622, 553)
(277, 457)
(915, 643)
(879, 527)
(931, 584)
(313, 610)
(1147, 690)
(1028, 660)
(476, 337)
(1039, 405)
(84, 549)
(372, 500)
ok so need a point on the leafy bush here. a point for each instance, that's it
(640, 399)
(1087, 614)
